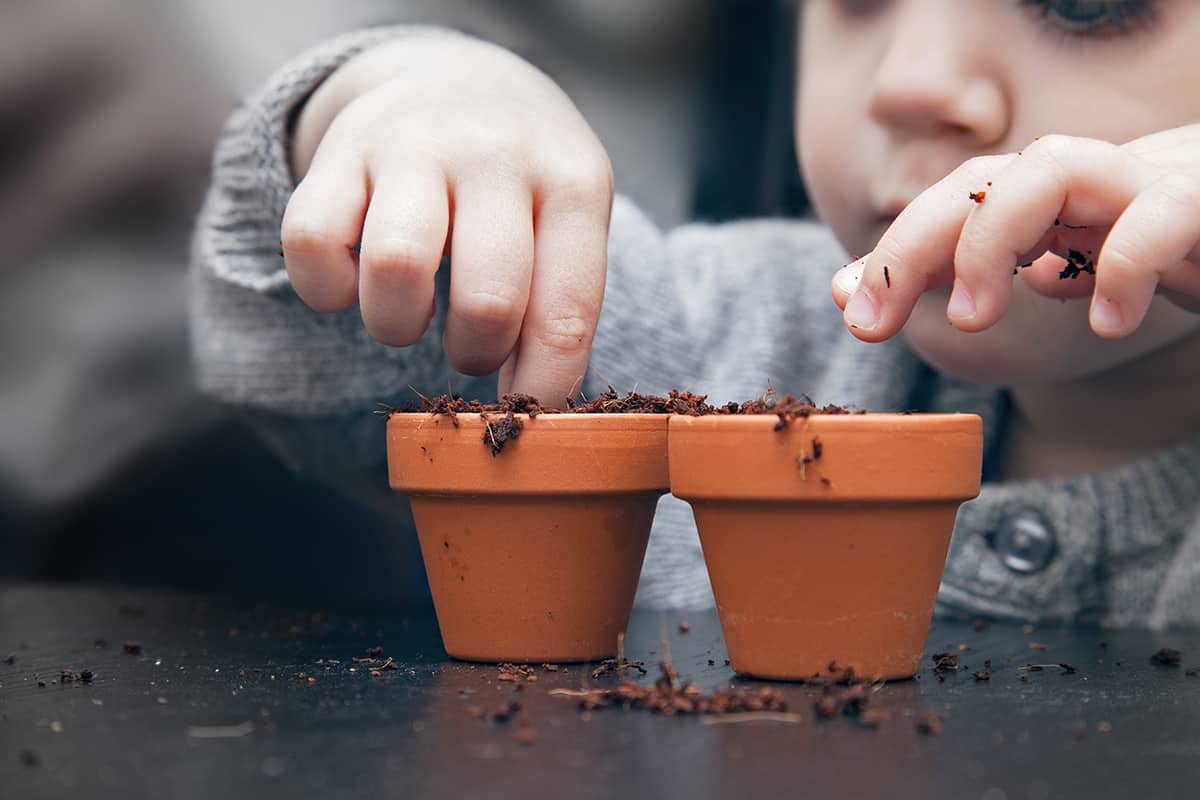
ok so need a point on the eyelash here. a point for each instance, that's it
(1123, 17)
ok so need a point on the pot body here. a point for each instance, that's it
(825, 540)
(532, 554)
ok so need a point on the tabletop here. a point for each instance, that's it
(123, 693)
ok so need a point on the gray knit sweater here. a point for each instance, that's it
(716, 309)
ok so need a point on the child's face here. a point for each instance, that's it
(894, 94)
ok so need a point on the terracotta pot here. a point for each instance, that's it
(532, 554)
(833, 564)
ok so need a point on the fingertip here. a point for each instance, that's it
(961, 309)
(1106, 318)
(320, 266)
(846, 280)
(861, 313)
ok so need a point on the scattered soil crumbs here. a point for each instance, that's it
(1167, 657)
(72, 676)
(670, 696)
(1077, 264)
(515, 673)
(504, 713)
(978, 197)
(619, 665)
(10, 659)
(943, 662)
(375, 652)
(983, 675)
(1192, 672)
(132, 648)
(525, 734)
(1067, 669)
(930, 724)
(852, 702)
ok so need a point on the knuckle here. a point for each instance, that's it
(979, 168)
(495, 132)
(395, 262)
(890, 251)
(1181, 189)
(1121, 256)
(1052, 145)
(583, 182)
(489, 312)
(565, 332)
(1053, 151)
(308, 239)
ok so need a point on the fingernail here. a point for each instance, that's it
(847, 277)
(962, 304)
(861, 311)
(1106, 316)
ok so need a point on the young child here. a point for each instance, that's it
(918, 123)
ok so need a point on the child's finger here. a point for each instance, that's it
(915, 253)
(491, 267)
(570, 257)
(1159, 229)
(403, 239)
(321, 226)
(845, 281)
(1057, 179)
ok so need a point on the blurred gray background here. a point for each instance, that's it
(112, 468)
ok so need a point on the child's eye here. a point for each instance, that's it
(1095, 17)
(861, 8)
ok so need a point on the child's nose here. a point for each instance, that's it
(935, 78)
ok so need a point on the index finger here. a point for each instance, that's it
(916, 253)
(570, 256)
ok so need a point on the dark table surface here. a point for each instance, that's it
(214, 705)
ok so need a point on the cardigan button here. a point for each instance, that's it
(1025, 542)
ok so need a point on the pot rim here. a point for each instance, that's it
(851, 420)
(862, 458)
(639, 418)
(555, 454)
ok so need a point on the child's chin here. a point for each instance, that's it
(1045, 341)
(1017, 350)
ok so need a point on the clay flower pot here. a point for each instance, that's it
(533, 554)
(825, 539)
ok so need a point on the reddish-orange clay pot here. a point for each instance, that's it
(533, 554)
(825, 540)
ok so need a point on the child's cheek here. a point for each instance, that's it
(829, 179)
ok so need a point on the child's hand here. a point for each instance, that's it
(437, 144)
(1126, 218)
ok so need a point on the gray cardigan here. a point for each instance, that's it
(716, 309)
